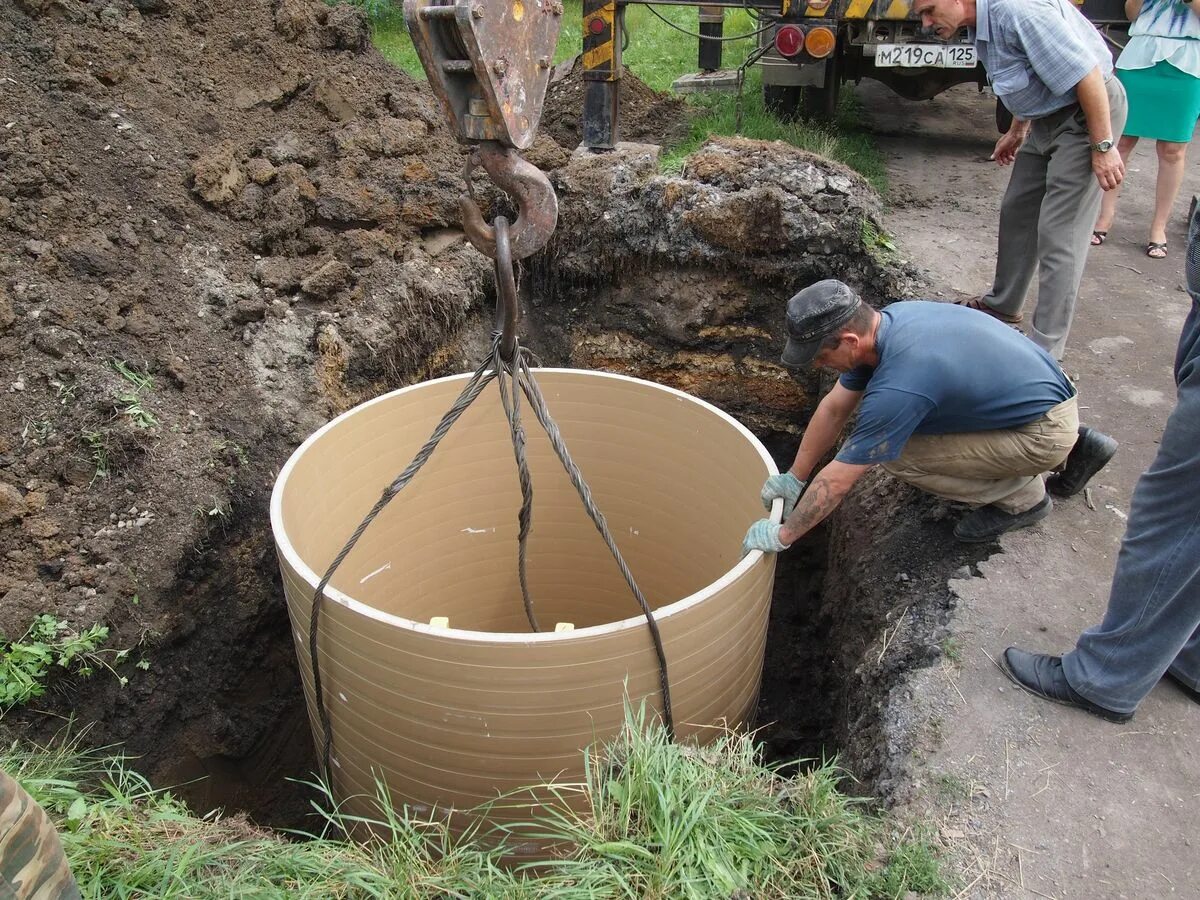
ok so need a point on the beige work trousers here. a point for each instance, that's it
(1002, 467)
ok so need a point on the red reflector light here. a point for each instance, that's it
(596, 25)
(789, 40)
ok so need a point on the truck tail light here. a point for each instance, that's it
(789, 40)
(819, 43)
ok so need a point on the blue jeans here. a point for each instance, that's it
(1152, 624)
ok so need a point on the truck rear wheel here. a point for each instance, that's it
(782, 100)
(820, 103)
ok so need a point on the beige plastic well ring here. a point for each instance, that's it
(450, 717)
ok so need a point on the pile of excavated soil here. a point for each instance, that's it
(220, 223)
(223, 222)
(645, 116)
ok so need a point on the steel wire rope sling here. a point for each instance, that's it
(494, 104)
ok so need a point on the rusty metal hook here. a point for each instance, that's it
(537, 205)
(508, 312)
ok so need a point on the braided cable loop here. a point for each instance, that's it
(510, 397)
(534, 395)
(474, 387)
(514, 376)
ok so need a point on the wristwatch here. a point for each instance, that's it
(1103, 146)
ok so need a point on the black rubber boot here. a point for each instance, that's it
(1043, 676)
(989, 522)
(1091, 453)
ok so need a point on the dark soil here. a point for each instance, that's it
(222, 223)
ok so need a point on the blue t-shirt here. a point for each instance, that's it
(946, 369)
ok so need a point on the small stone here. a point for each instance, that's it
(92, 254)
(7, 314)
(260, 170)
(41, 527)
(56, 341)
(276, 272)
(331, 278)
(217, 177)
(288, 148)
(250, 310)
(12, 503)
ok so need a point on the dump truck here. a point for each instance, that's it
(813, 47)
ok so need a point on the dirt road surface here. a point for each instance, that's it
(1035, 799)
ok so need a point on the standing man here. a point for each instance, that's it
(1152, 625)
(948, 400)
(1050, 67)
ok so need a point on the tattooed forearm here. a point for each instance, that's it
(822, 497)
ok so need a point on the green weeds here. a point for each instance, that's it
(952, 649)
(97, 445)
(130, 402)
(26, 663)
(36, 431)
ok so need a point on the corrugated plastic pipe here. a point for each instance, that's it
(432, 679)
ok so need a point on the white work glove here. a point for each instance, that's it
(763, 535)
(787, 486)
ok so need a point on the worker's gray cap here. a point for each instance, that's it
(814, 314)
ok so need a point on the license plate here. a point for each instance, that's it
(931, 56)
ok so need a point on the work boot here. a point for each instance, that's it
(989, 522)
(1091, 453)
(1043, 676)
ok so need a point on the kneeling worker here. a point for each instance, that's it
(953, 402)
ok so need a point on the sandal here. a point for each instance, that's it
(1156, 250)
(978, 304)
(1099, 237)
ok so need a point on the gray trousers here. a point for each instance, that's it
(1046, 220)
(1152, 623)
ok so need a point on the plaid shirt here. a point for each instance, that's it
(1036, 52)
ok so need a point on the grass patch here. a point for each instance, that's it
(658, 54)
(661, 820)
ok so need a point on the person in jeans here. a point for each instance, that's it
(1160, 70)
(948, 400)
(1152, 625)
(1050, 67)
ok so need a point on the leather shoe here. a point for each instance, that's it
(989, 522)
(1091, 453)
(1043, 676)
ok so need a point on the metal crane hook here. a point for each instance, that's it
(530, 188)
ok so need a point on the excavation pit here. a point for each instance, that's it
(452, 714)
